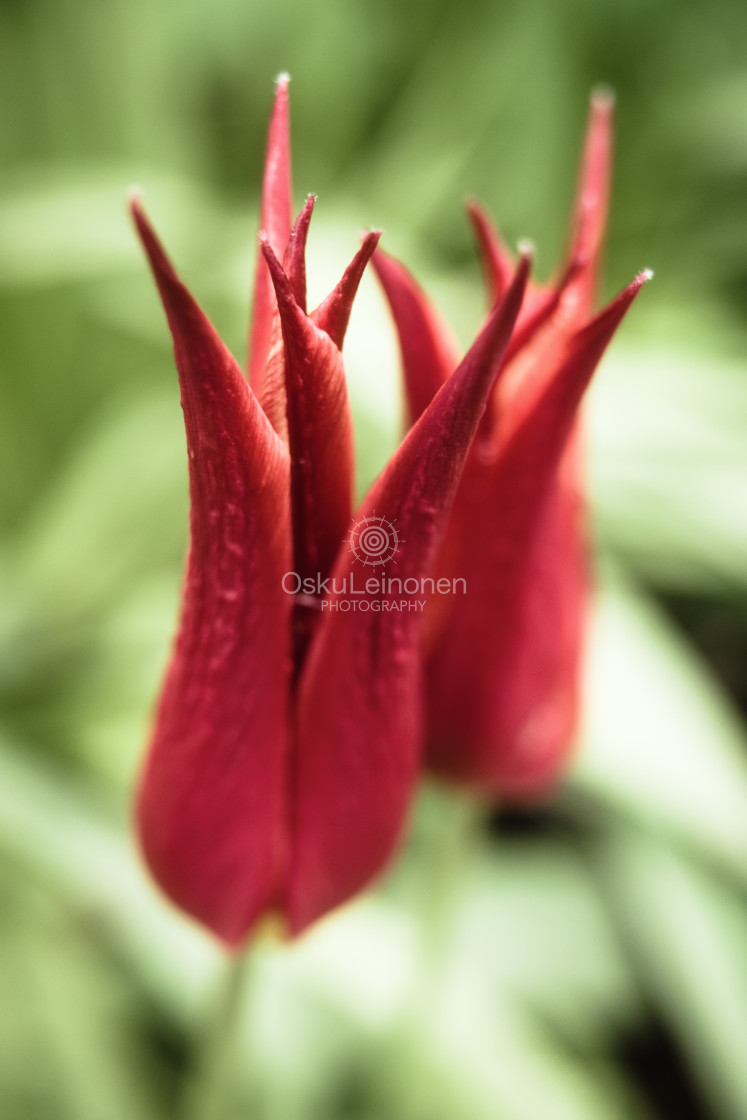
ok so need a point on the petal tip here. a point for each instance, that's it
(160, 264)
(370, 239)
(135, 207)
(603, 98)
(475, 209)
(282, 81)
(274, 265)
(526, 248)
(306, 211)
(134, 197)
(137, 214)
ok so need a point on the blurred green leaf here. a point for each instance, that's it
(688, 935)
(661, 742)
(668, 465)
(79, 847)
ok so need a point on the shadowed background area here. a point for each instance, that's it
(586, 960)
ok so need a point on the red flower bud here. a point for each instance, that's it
(288, 737)
(503, 660)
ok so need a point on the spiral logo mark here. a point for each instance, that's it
(373, 540)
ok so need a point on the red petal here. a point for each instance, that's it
(543, 306)
(273, 399)
(359, 702)
(428, 348)
(277, 215)
(497, 260)
(211, 808)
(498, 267)
(592, 200)
(515, 538)
(320, 428)
(333, 314)
(294, 260)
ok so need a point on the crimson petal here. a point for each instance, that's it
(497, 260)
(321, 434)
(359, 701)
(428, 349)
(274, 396)
(592, 200)
(212, 802)
(506, 723)
(294, 260)
(333, 313)
(277, 216)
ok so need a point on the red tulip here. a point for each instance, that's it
(503, 660)
(288, 735)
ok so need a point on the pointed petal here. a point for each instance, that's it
(497, 260)
(359, 700)
(320, 429)
(510, 731)
(592, 199)
(429, 350)
(211, 806)
(333, 314)
(542, 413)
(515, 537)
(276, 222)
(273, 398)
(294, 260)
(540, 310)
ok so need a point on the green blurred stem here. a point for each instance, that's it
(212, 1089)
(462, 818)
(456, 840)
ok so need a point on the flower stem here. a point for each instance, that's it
(462, 814)
(453, 835)
(211, 1090)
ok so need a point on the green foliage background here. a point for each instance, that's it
(587, 961)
